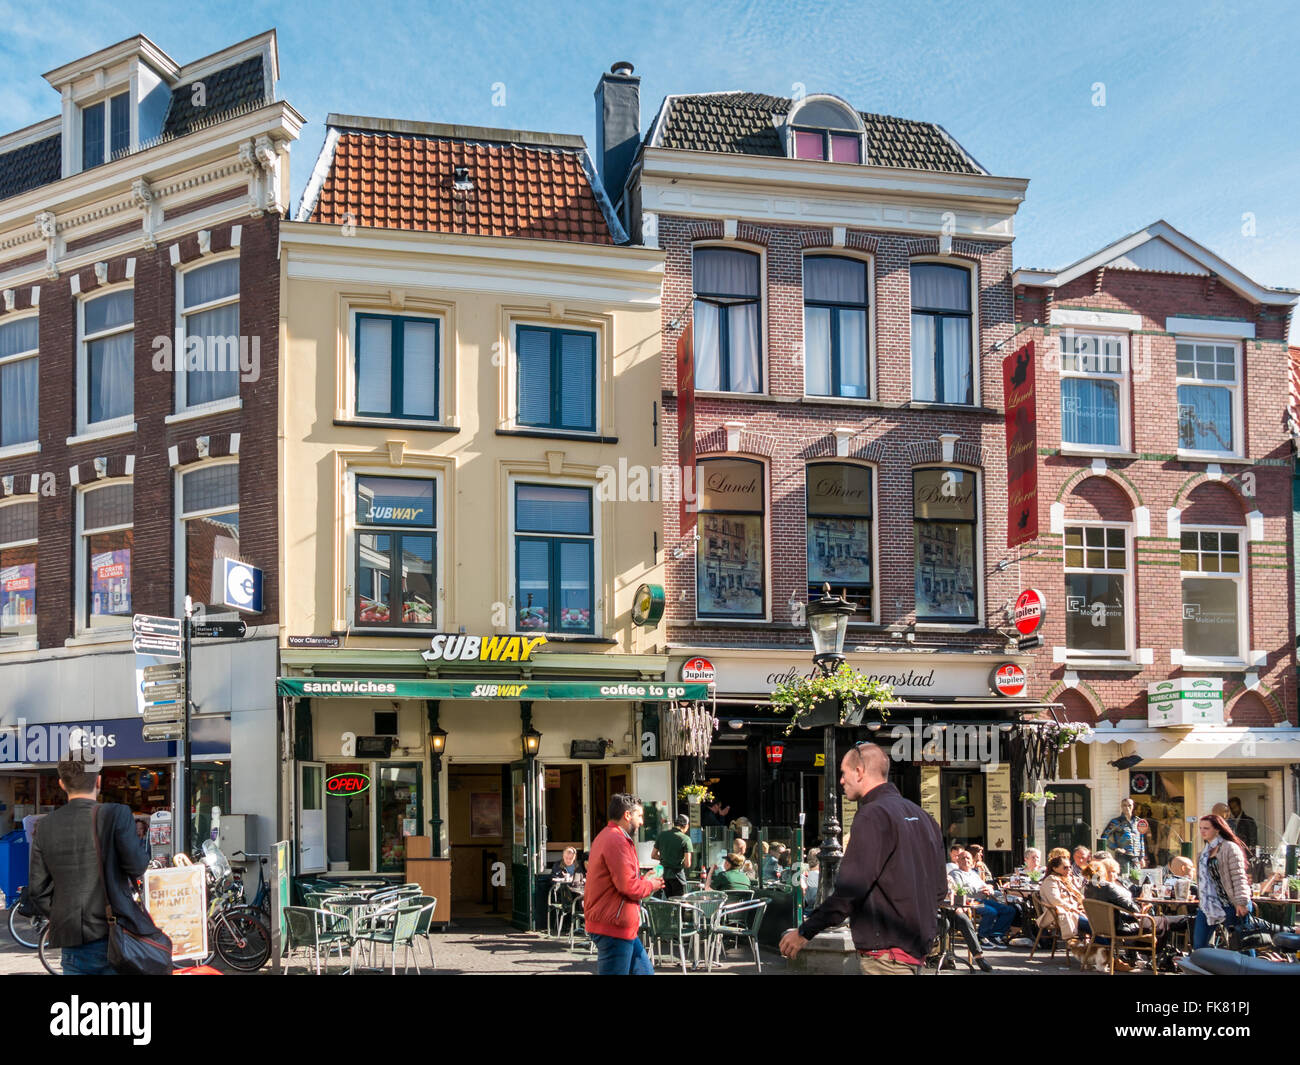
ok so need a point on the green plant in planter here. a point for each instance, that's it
(854, 691)
(1294, 885)
(686, 793)
(1037, 796)
(1062, 736)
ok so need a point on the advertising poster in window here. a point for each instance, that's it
(945, 570)
(1022, 446)
(731, 564)
(110, 582)
(999, 808)
(485, 815)
(177, 902)
(17, 595)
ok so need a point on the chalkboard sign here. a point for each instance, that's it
(587, 749)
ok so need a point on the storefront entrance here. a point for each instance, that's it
(356, 816)
(477, 797)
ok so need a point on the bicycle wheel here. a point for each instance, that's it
(241, 939)
(26, 928)
(51, 956)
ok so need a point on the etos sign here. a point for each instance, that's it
(347, 784)
(1029, 610)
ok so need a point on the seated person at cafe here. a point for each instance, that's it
(1079, 870)
(730, 877)
(772, 863)
(1181, 868)
(953, 851)
(1033, 862)
(1103, 885)
(977, 862)
(960, 923)
(568, 865)
(1062, 900)
(995, 916)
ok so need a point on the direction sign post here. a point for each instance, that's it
(219, 630)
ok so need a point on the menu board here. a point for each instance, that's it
(177, 901)
(930, 801)
(998, 789)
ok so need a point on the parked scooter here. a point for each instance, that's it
(1211, 961)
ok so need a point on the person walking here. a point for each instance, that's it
(1223, 877)
(83, 859)
(891, 880)
(615, 887)
(673, 849)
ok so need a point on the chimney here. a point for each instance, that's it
(618, 127)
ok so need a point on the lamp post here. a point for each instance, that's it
(437, 745)
(828, 619)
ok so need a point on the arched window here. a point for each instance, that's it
(944, 514)
(835, 333)
(822, 127)
(730, 565)
(839, 533)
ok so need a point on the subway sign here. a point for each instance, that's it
(457, 647)
(345, 784)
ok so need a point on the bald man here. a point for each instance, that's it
(891, 879)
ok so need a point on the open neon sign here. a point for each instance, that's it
(347, 784)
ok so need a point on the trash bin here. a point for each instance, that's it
(14, 852)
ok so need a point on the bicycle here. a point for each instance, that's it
(262, 897)
(51, 956)
(25, 924)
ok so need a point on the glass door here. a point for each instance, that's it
(311, 817)
(399, 796)
(523, 816)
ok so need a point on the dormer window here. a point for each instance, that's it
(105, 130)
(824, 127)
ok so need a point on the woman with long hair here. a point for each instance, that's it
(1062, 899)
(1223, 879)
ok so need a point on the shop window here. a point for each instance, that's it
(211, 798)
(18, 569)
(944, 510)
(1094, 391)
(19, 380)
(397, 366)
(1209, 397)
(398, 799)
(555, 547)
(1096, 591)
(1159, 798)
(556, 378)
(1214, 593)
(106, 360)
(726, 331)
(209, 313)
(942, 370)
(839, 533)
(835, 333)
(396, 553)
(730, 563)
(106, 535)
(208, 531)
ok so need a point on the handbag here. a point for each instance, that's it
(128, 953)
(1250, 933)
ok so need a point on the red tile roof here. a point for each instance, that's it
(396, 181)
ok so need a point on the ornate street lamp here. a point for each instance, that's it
(532, 742)
(437, 745)
(828, 620)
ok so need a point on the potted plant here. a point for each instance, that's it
(1294, 885)
(1061, 736)
(1035, 875)
(1038, 798)
(695, 794)
(841, 698)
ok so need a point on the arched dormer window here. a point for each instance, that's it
(825, 127)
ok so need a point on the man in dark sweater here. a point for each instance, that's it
(891, 879)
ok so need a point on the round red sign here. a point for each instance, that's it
(1141, 825)
(1029, 610)
(698, 671)
(1009, 679)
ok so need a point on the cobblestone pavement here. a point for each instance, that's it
(484, 945)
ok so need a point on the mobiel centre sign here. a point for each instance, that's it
(926, 676)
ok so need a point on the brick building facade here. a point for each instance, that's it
(1164, 457)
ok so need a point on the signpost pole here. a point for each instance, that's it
(187, 827)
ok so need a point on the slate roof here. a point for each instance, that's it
(745, 123)
(400, 181)
(230, 89)
(31, 166)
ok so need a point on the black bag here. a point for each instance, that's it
(130, 954)
(1250, 933)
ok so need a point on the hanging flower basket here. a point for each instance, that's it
(694, 793)
(845, 697)
(1063, 736)
(1038, 798)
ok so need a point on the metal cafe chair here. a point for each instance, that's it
(312, 930)
(678, 922)
(400, 933)
(741, 920)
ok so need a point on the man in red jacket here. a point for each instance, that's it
(615, 887)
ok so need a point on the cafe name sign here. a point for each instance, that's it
(457, 647)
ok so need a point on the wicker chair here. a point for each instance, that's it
(1102, 916)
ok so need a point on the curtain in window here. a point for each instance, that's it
(924, 339)
(853, 353)
(938, 287)
(817, 350)
(534, 376)
(1204, 418)
(553, 509)
(19, 392)
(1089, 412)
(419, 369)
(742, 325)
(577, 380)
(213, 282)
(109, 312)
(708, 370)
(956, 361)
(22, 335)
(220, 377)
(725, 272)
(375, 366)
(831, 280)
(110, 377)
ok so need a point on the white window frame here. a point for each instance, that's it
(181, 516)
(349, 510)
(33, 353)
(972, 268)
(353, 354)
(82, 560)
(765, 370)
(1127, 653)
(597, 580)
(1241, 579)
(79, 137)
(512, 385)
(1235, 389)
(1120, 379)
(981, 575)
(227, 402)
(123, 423)
(873, 393)
(23, 641)
(874, 470)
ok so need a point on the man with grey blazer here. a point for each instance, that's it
(65, 878)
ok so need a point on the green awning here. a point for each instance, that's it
(365, 687)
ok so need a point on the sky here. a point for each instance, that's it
(1118, 113)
